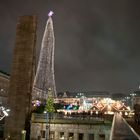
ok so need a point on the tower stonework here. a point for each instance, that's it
(21, 80)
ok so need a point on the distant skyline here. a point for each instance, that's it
(97, 45)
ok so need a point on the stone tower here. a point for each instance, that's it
(44, 78)
(21, 79)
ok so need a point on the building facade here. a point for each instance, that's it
(70, 128)
(4, 87)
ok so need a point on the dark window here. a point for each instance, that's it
(80, 137)
(101, 136)
(91, 136)
(43, 132)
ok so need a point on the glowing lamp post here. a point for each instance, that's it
(23, 133)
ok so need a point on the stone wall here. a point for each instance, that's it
(56, 129)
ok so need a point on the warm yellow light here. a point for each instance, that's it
(109, 107)
(128, 107)
(126, 113)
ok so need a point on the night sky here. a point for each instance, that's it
(97, 41)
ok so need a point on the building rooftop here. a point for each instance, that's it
(4, 74)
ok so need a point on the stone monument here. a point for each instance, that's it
(21, 79)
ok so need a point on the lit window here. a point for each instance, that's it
(61, 136)
(52, 135)
(71, 136)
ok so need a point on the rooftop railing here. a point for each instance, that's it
(73, 118)
(121, 130)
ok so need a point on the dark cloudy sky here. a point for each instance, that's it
(97, 41)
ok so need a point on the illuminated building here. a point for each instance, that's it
(79, 118)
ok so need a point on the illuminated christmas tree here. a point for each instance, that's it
(45, 78)
(50, 102)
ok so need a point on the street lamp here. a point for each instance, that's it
(47, 124)
(3, 112)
